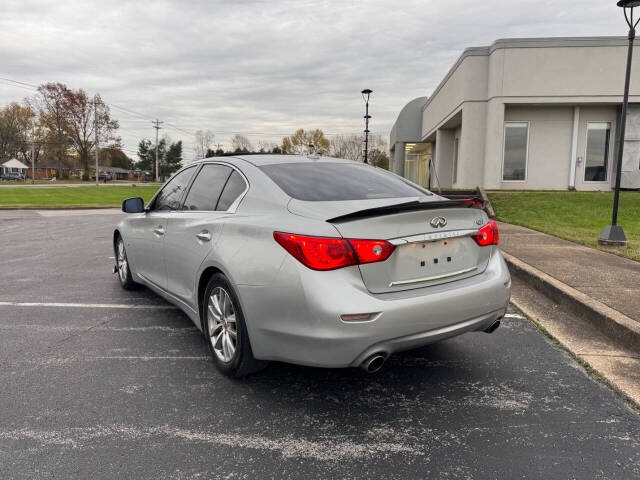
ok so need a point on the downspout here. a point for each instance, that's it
(574, 148)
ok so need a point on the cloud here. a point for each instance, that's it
(265, 67)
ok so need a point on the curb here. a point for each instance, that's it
(612, 323)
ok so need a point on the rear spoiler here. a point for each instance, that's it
(473, 202)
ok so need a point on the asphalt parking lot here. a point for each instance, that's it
(96, 382)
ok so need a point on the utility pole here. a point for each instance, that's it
(156, 125)
(33, 156)
(33, 164)
(95, 129)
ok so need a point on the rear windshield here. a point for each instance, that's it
(338, 181)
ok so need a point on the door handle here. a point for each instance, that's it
(159, 230)
(204, 236)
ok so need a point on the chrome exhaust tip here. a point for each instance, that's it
(494, 326)
(373, 363)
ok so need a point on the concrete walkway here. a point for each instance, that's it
(607, 278)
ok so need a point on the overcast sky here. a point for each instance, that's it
(264, 68)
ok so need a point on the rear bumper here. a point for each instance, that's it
(297, 319)
(431, 336)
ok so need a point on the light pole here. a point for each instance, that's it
(613, 235)
(365, 95)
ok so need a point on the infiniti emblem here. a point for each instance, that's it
(437, 222)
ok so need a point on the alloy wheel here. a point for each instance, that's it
(221, 321)
(123, 265)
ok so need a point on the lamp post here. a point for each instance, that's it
(613, 235)
(365, 94)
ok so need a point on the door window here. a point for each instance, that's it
(232, 190)
(206, 188)
(516, 139)
(171, 194)
(597, 158)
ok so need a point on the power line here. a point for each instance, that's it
(21, 83)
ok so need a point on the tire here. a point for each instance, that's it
(225, 330)
(122, 266)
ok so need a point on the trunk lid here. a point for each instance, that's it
(427, 253)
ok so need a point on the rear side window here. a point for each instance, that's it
(232, 190)
(206, 188)
(338, 181)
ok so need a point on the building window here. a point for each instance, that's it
(456, 153)
(416, 163)
(597, 157)
(516, 139)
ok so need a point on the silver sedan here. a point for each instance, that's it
(314, 261)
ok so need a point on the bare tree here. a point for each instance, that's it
(347, 146)
(33, 137)
(264, 146)
(378, 151)
(241, 144)
(351, 147)
(82, 116)
(51, 104)
(202, 143)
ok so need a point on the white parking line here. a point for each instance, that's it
(79, 212)
(146, 358)
(87, 305)
(514, 315)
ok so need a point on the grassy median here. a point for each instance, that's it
(576, 216)
(85, 196)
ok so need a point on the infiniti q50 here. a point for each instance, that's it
(312, 260)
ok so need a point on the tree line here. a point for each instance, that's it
(57, 127)
(301, 142)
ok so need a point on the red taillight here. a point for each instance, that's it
(318, 253)
(327, 253)
(488, 235)
(369, 251)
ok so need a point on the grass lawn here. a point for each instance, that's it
(89, 196)
(576, 216)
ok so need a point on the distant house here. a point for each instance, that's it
(14, 165)
(48, 172)
(112, 173)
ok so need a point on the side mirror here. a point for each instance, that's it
(133, 205)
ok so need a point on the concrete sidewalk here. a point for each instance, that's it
(607, 278)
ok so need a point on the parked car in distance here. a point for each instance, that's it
(312, 260)
(106, 177)
(12, 176)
